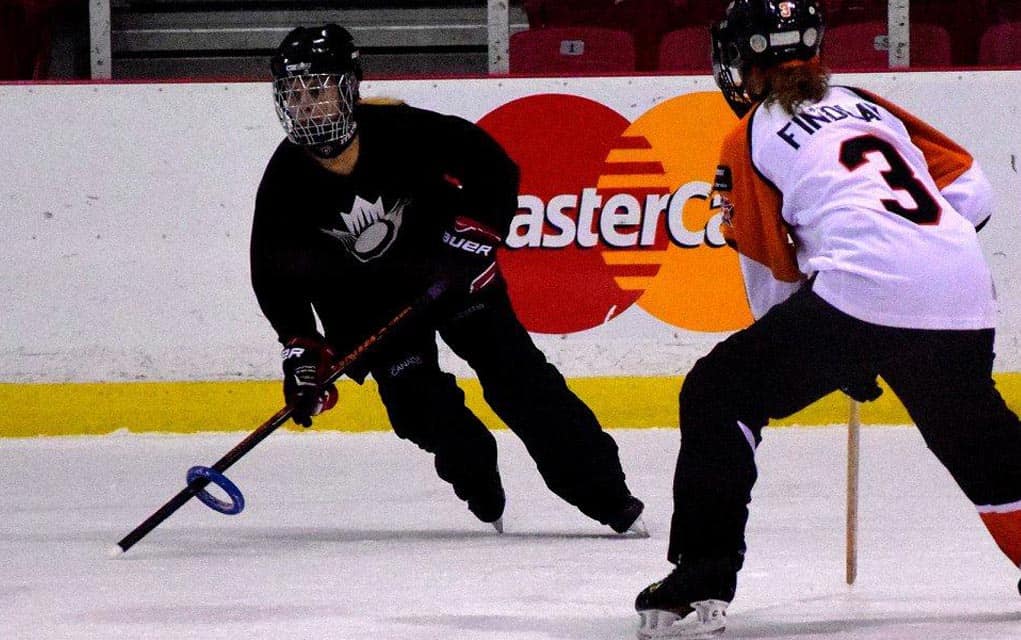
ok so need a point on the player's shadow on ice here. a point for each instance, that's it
(207, 541)
(473, 531)
(550, 626)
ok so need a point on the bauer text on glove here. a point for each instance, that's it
(306, 363)
(468, 260)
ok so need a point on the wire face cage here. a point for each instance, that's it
(317, 108)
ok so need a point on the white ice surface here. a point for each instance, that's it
(352, 536)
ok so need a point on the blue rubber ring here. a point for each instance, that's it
(237, 503)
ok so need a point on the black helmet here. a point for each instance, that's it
(316, 72)
(762, 33)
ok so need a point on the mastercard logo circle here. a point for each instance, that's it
(615, 213)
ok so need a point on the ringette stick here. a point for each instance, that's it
(851, 530)
(270, 425)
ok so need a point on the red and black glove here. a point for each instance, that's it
(306, 363)
(468, 260)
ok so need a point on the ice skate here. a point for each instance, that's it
(691, 602)
(709, 621)
(628, 521)
(487, 500)
(488, 507)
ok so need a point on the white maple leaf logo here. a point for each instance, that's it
(369, 228)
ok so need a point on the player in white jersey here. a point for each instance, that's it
(856, 228)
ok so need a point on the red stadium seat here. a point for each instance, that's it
(645, 20)
(686, 49)
(562, 50)
(863, 45)
(855, 45)
(1000, 44)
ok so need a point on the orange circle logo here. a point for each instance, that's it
(613, 213)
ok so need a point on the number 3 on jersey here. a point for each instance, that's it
(900, 177)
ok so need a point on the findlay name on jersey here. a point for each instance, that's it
(813, 118)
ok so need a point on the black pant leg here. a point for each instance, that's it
(426, 406)
(800, 351)
(944, 379)
(577, 459)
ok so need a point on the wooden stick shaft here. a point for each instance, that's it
(853, 452)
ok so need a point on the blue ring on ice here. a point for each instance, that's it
(237, 503)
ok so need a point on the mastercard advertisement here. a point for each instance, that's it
(614, 213)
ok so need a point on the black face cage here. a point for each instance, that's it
(728, 71)
(317, 108)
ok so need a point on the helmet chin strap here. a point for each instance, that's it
(330, 150)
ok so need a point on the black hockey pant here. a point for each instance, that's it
(576, 458)
(802, 350)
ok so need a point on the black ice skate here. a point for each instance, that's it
(629, 519)
(487, 500)
(489, 508)
(700, 586)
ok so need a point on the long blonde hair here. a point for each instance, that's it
(381, 100)
(796, 83)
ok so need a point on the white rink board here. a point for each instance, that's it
(125, 213)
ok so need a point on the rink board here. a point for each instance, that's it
(127, 298)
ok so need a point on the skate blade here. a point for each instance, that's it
(656, 624)
(637, 529)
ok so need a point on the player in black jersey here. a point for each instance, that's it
(360, 210)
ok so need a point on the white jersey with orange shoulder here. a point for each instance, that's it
(878, 206)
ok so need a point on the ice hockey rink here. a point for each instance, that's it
(349, 536)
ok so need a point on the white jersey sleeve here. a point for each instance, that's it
(971, 195)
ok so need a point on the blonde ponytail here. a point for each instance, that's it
(794, 84)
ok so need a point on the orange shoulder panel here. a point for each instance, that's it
(753, 223)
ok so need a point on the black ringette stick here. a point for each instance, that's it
(270, 425)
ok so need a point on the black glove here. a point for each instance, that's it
(306, 362)
(468, 257)
(865, 389)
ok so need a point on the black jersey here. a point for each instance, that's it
(357, 247)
